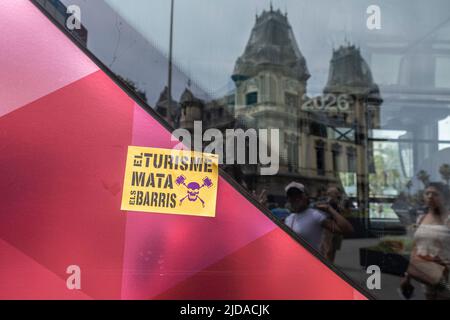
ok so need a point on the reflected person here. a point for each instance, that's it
(310, 223)
(430, 258)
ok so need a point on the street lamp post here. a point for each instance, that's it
(169, 81)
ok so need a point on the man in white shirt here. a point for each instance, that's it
(309, 223)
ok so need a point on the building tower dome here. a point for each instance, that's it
(350, 74)
(272, 45)
(191, 109)
(168, 108)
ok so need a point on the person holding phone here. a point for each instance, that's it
(310, 223)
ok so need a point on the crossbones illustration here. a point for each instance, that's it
(193, 189)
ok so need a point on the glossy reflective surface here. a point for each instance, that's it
(362, 114)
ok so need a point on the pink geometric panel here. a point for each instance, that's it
(21, 277)
(174, 248)
(35, 57)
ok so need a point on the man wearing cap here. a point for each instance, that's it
(309, 223)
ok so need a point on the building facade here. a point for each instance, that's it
(321, 138)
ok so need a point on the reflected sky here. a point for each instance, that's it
(210, 35)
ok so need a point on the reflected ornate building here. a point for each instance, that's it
(350, 77)
(319, 137)
(168, 108)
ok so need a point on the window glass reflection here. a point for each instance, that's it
(363, 115)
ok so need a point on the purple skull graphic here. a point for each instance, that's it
(193, 189)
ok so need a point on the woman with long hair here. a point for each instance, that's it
(430, 258)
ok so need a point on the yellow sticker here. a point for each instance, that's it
(170, 181)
